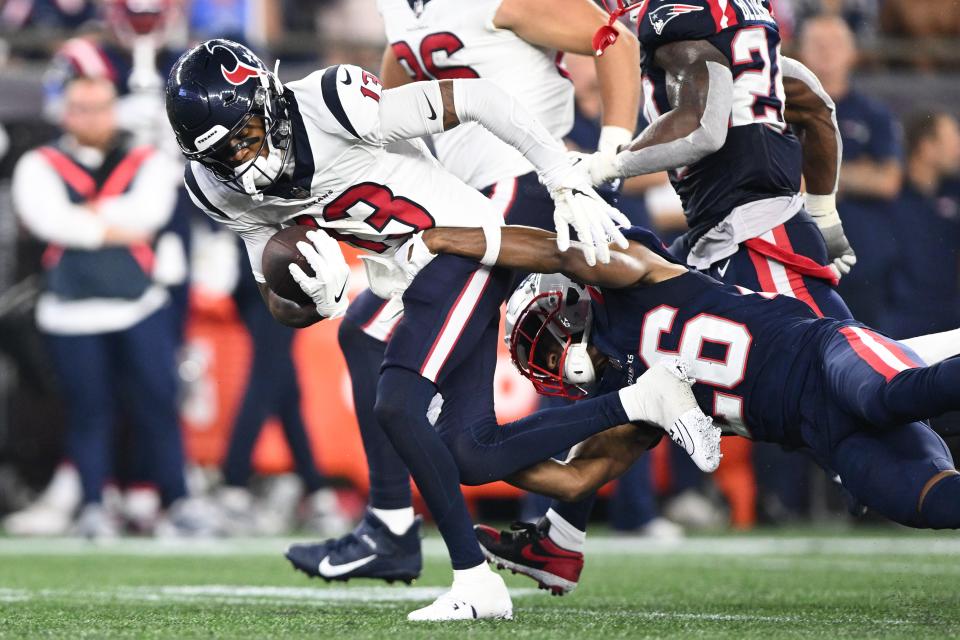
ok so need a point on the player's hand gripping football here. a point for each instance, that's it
(328, 288)
(577, 205)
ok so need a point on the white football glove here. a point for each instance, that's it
(577, 205)
(412, 256)
(823, 210)
(328, 288)
(602, 165)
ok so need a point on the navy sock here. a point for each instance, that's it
(576, 513)
(941, 505)
(389, 478)
(402, 400)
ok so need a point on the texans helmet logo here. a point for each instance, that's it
(664, 14)
(241, 71)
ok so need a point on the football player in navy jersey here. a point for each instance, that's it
(718, 98)
(766, 367)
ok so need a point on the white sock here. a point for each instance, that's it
(564, 534)
(397, 520)
(473, 575)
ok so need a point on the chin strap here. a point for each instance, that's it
(578, 365)
(607, 34)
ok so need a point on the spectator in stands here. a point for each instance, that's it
(924, 295)
(928, 29)
(46, 14)
(859, 15)
(97, 200)
(871, 174)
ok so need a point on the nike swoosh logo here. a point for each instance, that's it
(329, 570)
(529, 554)
(577, 192)
(722, 271)
(576, 161)
(337, 297)
(349, 79)
(433, 114)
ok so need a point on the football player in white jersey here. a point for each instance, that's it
(334, 150)
(519, 45)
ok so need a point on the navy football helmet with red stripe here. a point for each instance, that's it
(213, 92)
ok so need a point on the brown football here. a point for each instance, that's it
(280, 251)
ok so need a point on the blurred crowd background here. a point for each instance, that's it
(194, 413)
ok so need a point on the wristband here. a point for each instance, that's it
(491, 234)
(823, 208)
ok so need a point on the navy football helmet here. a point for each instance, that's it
(213, 92)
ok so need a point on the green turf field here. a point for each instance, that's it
(868, 585)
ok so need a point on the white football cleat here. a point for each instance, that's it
(488, 598)
(663, 396)
(52, 513)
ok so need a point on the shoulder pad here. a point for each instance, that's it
(350, 98)
(663, 22)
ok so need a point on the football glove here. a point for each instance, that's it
(823, 210)
(577, 205)
(328, 288)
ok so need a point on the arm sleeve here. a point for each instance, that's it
(702, 141)
(411, 111)
(148, 204)
(352, 99)
(43, 206)
(794, 69)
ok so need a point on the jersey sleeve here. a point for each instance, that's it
(254, 234)
(351, 101)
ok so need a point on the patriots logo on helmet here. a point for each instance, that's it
(241, 71)
(664, 14)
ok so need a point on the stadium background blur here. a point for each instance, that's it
(898, 199)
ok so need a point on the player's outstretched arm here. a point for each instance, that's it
(535, 250)
(590, 465)
(701, 94)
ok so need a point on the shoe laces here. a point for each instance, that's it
(523, 532)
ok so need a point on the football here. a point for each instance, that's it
(280, 251)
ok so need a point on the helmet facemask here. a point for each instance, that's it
(264, 169)
(550, 350)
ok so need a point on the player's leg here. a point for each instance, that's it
(447, 308)
(386, 543)
(883, 382)
(550, 551)
(905, 473)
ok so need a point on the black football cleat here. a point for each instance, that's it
(527, 550)
(369, 551)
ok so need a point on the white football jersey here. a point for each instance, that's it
(345, 178)
(457, 39)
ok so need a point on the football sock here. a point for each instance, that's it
(397, 520)
(941, 505)
(575, 513)
(389, 478)
(471, 575)
(401, 409)
(564, 534)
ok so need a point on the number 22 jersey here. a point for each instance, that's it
(761, 158)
